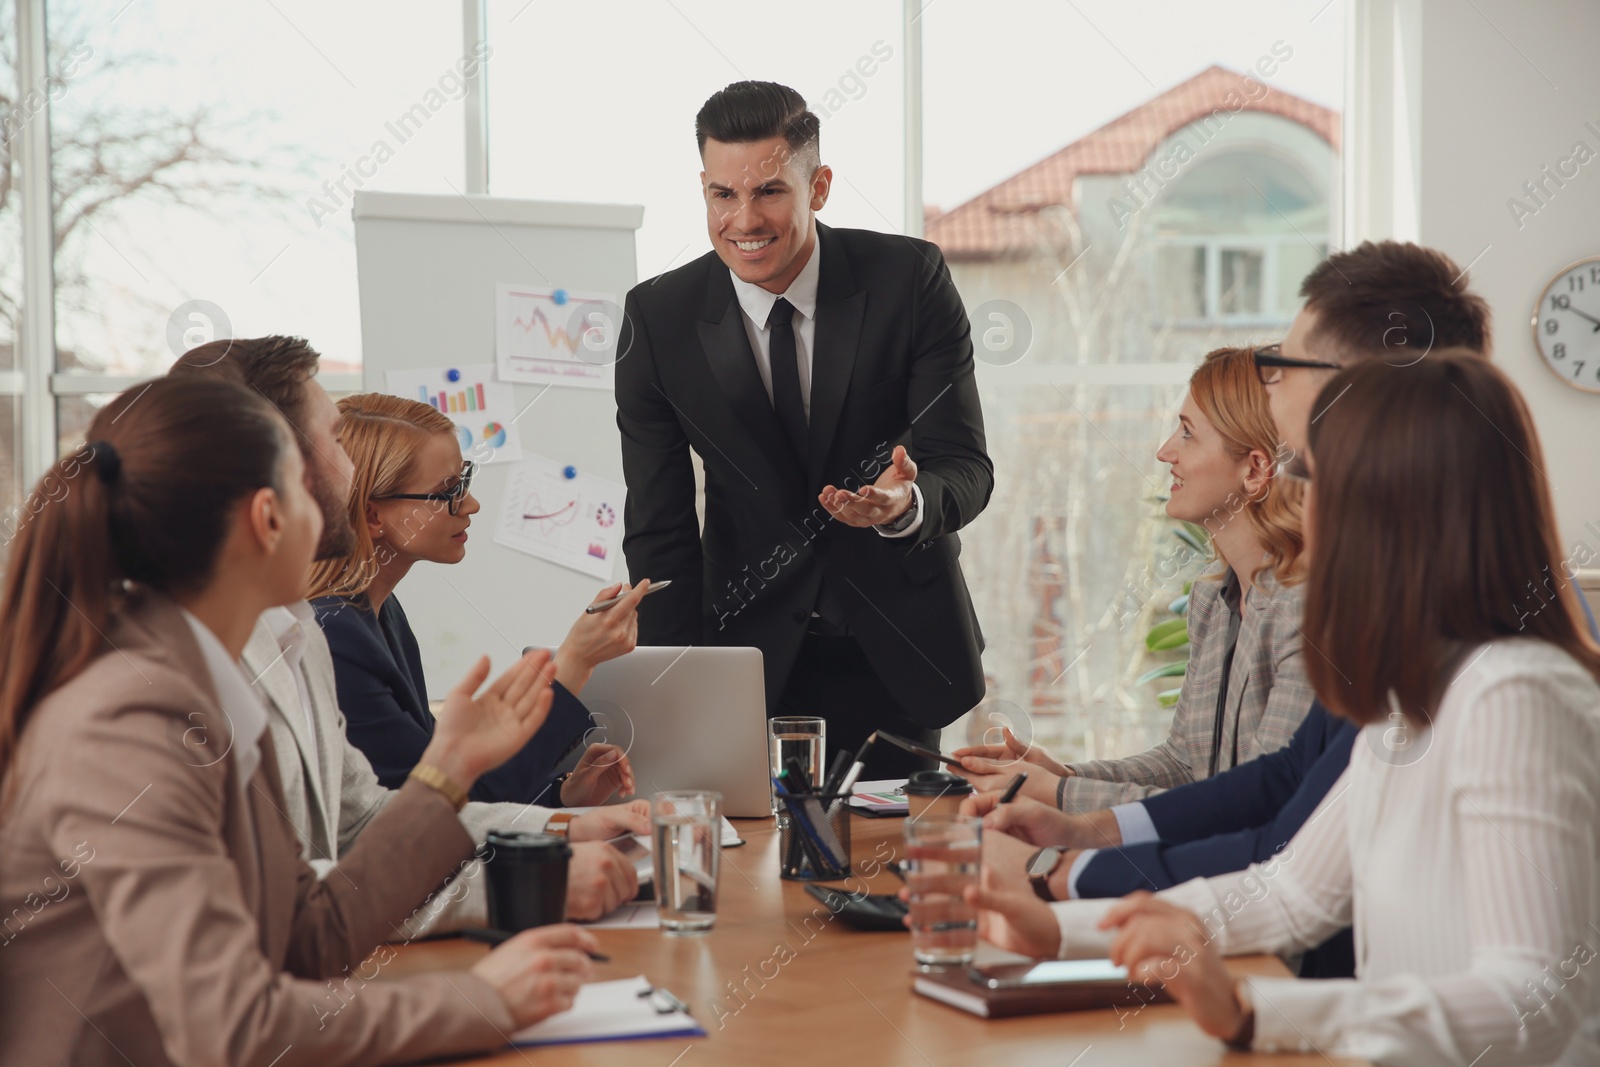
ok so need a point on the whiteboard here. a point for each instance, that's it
(427, 267)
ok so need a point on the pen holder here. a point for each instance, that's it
(814, 837)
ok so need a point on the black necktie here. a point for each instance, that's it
(786, 400)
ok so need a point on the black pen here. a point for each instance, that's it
(495, 937)
(830, 784)
(1011, 790)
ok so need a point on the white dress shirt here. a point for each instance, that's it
(756, 303)
(1468, 871)
(289, 625)
(241, 707)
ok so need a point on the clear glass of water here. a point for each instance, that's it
(943, 854)
(686, 838)
(801, 738)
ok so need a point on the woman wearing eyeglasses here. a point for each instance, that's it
(411, 502)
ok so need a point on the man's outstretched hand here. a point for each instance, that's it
(885, 500)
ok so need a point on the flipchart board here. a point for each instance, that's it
(431, 273)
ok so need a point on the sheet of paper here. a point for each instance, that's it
(634, 915)
(551, 336)
(609, 1011)
(560, 513)
(484, 410)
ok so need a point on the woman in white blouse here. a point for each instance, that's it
(1461, 843)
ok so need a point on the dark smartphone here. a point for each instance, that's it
(1046, 972)
(872, 912)
(919, 750)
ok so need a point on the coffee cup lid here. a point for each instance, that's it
(530, 844)
(937, 783)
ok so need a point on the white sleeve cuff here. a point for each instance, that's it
(1133, 820)
(1081, 938)
(1076, 869)
(916, 523)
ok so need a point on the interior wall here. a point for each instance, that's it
(1507, 88)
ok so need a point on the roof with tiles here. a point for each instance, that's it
(996, 224)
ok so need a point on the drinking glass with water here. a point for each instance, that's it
(686, 838)
(943, 855)
(800, 738)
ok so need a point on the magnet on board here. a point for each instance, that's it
(569, 471)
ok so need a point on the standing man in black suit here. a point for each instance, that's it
(825, 379)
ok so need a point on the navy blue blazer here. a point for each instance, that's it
(1228, 821)
(378, 672)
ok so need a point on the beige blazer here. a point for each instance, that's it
(155, 909)
(331, 791)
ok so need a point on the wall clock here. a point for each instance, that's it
(1566, 325)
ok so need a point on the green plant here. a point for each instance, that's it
(1172, 634)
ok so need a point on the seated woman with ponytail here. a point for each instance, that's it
(411, 501)
(156, 906)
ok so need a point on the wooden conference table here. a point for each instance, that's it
(837, 995)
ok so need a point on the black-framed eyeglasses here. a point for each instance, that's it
(452, 496)
(1270, 361)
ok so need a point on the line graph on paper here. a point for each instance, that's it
(549, 335)
(559, 513)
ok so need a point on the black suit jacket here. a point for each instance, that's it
(892, 364)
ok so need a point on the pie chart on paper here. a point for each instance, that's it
(494, 435)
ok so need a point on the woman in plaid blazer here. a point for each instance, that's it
(1245, 688)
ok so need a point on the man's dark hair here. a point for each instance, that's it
(758, 111)
(1382, 296)
(276, 367)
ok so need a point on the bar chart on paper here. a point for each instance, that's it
(554, 336)
(482, 409)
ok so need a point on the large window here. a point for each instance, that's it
(1110, 214)
(597, 102)
(204, 165)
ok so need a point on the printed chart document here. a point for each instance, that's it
(612, 1011)
(562, 514)
(484, 410)
(552, 336)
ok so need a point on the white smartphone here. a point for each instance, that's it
(1046, 972)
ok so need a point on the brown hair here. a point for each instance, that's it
(1228, 391)
(1392, 299)
(277, 367)
(148, 500)
(1432, 522)
(381, 433)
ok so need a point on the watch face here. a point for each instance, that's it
(1044, 862)
(1566, 325)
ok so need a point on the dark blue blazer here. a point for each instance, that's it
(1228, 821)
(378, 673)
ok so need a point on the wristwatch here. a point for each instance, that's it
(1041, 865)
(560, 823)
(906, 518)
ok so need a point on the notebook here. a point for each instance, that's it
(954, 988)
(613, 1011)
(879, 798)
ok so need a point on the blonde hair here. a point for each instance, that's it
(1228, 391)
(382, 434)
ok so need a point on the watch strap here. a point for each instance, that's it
(560, 823)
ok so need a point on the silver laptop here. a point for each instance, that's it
(689, 718)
